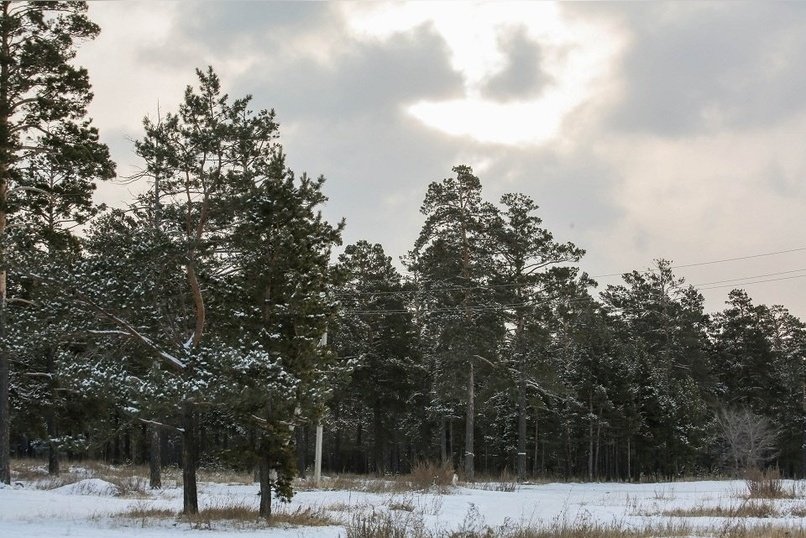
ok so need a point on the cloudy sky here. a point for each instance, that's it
(643, 130)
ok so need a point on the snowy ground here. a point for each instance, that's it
(92, 508)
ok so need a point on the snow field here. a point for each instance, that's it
(92, 508)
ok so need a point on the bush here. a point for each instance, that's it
(766, 485)
(427, 474)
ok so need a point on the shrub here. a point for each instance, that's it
(766, 485)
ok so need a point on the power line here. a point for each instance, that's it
(740, 258)
(723, 260)
(573, 300)
(754, 282)
(704, 286)
(401, 293)
(738, 280)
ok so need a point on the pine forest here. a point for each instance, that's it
(216, 320)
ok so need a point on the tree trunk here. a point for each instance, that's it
(598, 445)
(198, 303)
(53, 449)
(5, 158)
(803, 428)
(590, 440)
(521, 430)
(379, 443)
(5, 419)
(629, 468)
(189, 461)
(265, 485)
(469, 424)
(450, 443)
(116, 440)
(443, 440)
(537, 445)
(302, 449)
(155, 458)
(50, 413)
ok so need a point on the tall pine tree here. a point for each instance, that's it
(43, 106)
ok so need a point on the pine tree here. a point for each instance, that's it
(374, 331)
(255, 249)
(453, 261)
(743, 354)
(278, 298)
(530, 266)
(666, 327)
(43, 105)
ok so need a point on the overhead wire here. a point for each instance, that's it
(504, 286)
(705, 286)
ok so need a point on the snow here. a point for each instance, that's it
(92, 507)
(89, 486)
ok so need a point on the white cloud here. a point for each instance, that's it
(577, 58)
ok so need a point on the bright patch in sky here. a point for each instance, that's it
(576, 59)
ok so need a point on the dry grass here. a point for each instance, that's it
(144, 511)
(761, 509)
(428, 474)
(243, 516)
(742, 530)
(425, 476)
(767, 484)
(349, 482)
(230, 514)
(506, 482)
(396, 525)
(406, 505)
(129, 479)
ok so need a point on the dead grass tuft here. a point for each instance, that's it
(379, 524)
(232, 514)
(425, 476)
(506, 482)
(761, 509)
(404, 505)
(428, 474)
(766, 484)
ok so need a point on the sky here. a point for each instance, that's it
(650, 130)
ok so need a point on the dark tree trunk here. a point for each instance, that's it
(537, 446)
(189, 461)
(265, 485)
(116, 439)
(443, 440)
(521, 460)
(302, 450)
(469, 425)
(590, 439)
(5, 422)
(803, 432)
(155, 458)
(379, 441)
(50, 415)
(450, 444)
(53, 449)
(5, 179)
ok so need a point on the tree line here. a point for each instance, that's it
(210, 323)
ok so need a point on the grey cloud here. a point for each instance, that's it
(209, 28)
(522, 77)
(225, 25)
(368, 162)
(371, 78)
(694, 67)
(573, 191)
